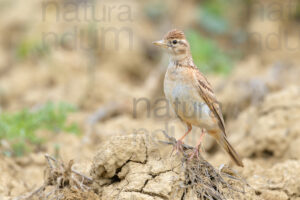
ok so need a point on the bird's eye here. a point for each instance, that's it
(174, 41)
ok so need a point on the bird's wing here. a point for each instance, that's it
(207, 94)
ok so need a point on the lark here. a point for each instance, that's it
(191, 95)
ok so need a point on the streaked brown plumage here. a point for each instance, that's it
(174, 34)
(184, 84)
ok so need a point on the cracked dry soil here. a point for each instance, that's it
(132, 167)
(136, 167)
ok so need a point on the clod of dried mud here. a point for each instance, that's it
(280, 182)
(72, 194)
(136, 167)
(133, 166)
(271, 130)
(252, 81)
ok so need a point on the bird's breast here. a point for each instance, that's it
(185, 99)
(177, 85)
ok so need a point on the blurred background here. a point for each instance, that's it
(76, 72)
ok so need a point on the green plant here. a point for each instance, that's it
(296, 13)
(155, 10)
(212, 17)
(19, 129)
(207, 55)
(31, 48)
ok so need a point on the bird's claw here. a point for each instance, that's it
(178, 147)
(194, 153)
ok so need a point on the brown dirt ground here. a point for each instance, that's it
(261, 105)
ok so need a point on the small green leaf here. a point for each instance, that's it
(20, 128)
(207, 55)
(212, 16)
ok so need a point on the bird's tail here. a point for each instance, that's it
(230, 150)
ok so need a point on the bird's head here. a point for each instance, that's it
(176, 44)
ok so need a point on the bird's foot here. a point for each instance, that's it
(196, 149)
(178, 147)
(195, 153)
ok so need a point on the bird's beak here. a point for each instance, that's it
(160, 43)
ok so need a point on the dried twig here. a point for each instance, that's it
(33, 193)
(82, 175)
(206, 181)
(173, 141)
(60, 176)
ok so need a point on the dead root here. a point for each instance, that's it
(61, 182)
(205, 181)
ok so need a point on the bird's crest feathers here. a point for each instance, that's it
(174, 34)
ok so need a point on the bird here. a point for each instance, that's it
(191, 95)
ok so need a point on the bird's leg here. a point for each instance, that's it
(196, 149)
(178, 145)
